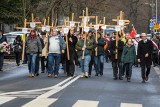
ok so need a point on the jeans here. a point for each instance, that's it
(1, 60)
(18, 56)
(115, 66)
(54, 58)
(31, 62)
(129, 69)
(99, 62)
(85, 63)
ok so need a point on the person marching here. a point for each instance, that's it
(136, 41)
(91, 63)
(56, 47)
(18, 49)
(33, 46)
(116, 63)
(99, 59)
(80, 46)
(70, 66)
(128, 57)
(145, 49)
(43, 41)
(2, 39)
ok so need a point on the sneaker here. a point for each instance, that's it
(86, 74)
(49, 75)
(83, 75)
(115, 78)
(32, 75)
(55, 76)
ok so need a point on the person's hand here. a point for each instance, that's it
(95, 49)
(84, 46)
(40, 55)
(70, 39)
(146, 55)
(139, 60)
(97, 43)
(83, 49)
(62, 51)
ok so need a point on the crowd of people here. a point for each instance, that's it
(86, 51)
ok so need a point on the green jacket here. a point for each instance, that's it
(128, 54)
(89, 47)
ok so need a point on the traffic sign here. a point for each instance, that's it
(156, 26)
(151, 24)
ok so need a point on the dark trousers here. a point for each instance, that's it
(1, 60)
(154, 58)
(128, 68)
(91, 64)
(145, 73)
(117, 65)
(70, 67)
(99, 63)
(18, 57)
(43, 64)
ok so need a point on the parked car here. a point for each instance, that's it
(11, 36)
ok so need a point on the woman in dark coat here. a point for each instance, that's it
(70, 66)
(18, 49)
(145, 49)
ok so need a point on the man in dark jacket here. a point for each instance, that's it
(99, 55)
(145, 49)
(116, 63)
(2, 39)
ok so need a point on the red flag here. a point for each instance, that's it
(133, 32)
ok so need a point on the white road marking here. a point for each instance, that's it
(57, 89)
(85, 103)
(5, 99)
(40, 102)
(35, 90)
(130, 105)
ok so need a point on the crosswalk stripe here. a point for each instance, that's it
(40, 102)
(85, 103)
(5, 99)
(130, 105)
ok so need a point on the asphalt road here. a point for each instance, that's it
(18, 90)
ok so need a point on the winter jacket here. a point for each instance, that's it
(128, 54)
(100, 46)
(33, 45)
(88, 50)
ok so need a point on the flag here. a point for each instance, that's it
(133, 32)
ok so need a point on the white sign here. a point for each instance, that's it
(32, 24)
(121, 22)
(96, 27)
(65, 30)
(77, 29)
(43, 28)
(117, 28)
(24, 30)
(72, 24)
(104, 27)
(86, 29)
(47, 28)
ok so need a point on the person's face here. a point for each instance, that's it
(32, 33)
(71, 32)
(137, 38)
(43, 36)
(54, 33)
(129, 41)
(98, 35)
(144, 36)
(127, 36)
(0, 33)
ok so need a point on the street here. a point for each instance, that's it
(18, 90)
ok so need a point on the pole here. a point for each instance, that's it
(156, 11)
(24, 41)
(96, 35)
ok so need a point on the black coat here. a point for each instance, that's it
(100, 46)
(144, 48)
(112, 49)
